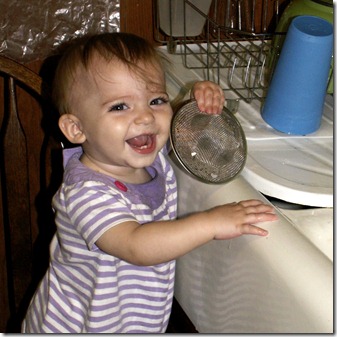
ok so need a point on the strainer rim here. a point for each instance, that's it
(180, 158)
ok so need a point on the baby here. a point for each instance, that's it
(112, 259)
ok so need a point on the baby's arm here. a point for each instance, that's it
(162, 241)
(209, 96)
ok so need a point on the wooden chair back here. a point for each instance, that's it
(30, 172)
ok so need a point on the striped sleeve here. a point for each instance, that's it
(92, 208)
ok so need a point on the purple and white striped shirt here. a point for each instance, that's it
(87, 290)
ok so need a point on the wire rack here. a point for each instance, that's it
(235, 47)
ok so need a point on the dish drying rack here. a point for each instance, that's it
(235, 48)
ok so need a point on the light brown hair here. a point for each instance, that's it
(129, 49)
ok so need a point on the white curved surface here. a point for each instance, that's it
(276, 284)
(316, 224)
(299, 171)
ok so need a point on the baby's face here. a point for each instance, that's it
(126, 121)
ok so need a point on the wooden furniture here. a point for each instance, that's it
(30, 171)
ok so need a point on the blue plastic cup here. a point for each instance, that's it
(295, 99)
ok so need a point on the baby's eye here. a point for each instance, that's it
(118, 107)
(159, 100)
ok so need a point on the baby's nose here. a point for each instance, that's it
(145, 117)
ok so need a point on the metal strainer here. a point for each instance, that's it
(211, 147)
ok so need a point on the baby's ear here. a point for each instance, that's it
(71, 127)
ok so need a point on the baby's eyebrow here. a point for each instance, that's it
(115, 100)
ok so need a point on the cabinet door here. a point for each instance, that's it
(136, 16)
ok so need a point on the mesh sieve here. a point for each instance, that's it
(211, 147)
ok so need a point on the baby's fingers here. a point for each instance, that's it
(253, 230)
(209, 96)
(256, 206)
(253, 202)
(259, 213)
(261, 217)
(212, 102)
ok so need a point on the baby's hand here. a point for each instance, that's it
(209, 96)
(235, 219)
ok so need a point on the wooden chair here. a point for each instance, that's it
(30, 172)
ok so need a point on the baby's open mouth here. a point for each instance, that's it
(142, 142)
